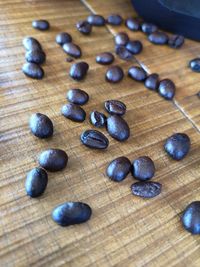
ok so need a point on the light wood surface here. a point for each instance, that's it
(124, 230)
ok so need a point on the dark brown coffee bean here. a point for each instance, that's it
(72, 50)
(146, 189)
(167, 89)
(114, 74)
(118, 128)
(132, 24)
(63, 38)
(176, 41)
(77, 96)
(123, 53)
(40, 125)
(84, 27)
(118, 169)
(36, 182)
(73, 112)
(79, 70)
(96, 20)
(115, 107)
(33, 71)
(98, 119)
(149, 28)
(94, 139)
(143, 168)
(31, 44)
(135, 47)
(71, 213)
(137, 73)
(35, 56)
(41, 25)
(194, 64)
(114, 19)
(152, 81)
(53, 159)
(121, 38)
(191, 218)
(158, 38)
(105, 58)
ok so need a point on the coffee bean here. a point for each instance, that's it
(72, 50)
(115, 107)
(33, 70)
(70, 213)
(158, 38)
(149, 28)
(36, 182)
(194, 64)
(198, 94)
(105, 58)
(152, 81)
(114, 74)
(53, 159)
(63, 38)
(35, 56)
(132, 24)
(167, 89)
(176, 41)
(31, 43)
(41, 25)
(98, 119)
(73, 112)
(135, 47)
(143, 168)
(146, 189)
(96, 20)
(94, 139)
(84, 27)
(118, 169)
(118, 128)
(123, 53)
(69, 59)
(191, 218)
(77, 96)
(79, 70)
(114, 19)
(137, 73)
(40, 125)
(121, 38)
(177, 146)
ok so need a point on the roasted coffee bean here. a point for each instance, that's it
(77, 96)
(123, 53)
(79, 70)
(72, 50)
(135, 47)
(96, 20)
(94, 139)
(73, 112)
(35, 56)
(132, 24)
(84, 27)
(149, 28)
(36, 182)
(121, 38)
(114, 74)
(98, 119)
(105, 58)
(152, 81)
(143, 168)
(118, 169)
(63, 38)
(191, 218)
(115, 107)
(33, 70)
(137, 73)
(53, 159)
(158, 38)
(176, 41)
(167, 89)
(114, 19)
(40, 125)
(41, 25)
(31, 44)
(194, 64)
(70, 213)
(69, 59)
(177, 146)
(146, 189)
(118, 128)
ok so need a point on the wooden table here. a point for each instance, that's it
(124, 230)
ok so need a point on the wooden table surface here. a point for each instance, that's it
(124, 230)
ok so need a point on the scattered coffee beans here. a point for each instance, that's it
(31, 44)
(135, 47)
(114, 74)
(132, 24)
(94, 139)
(152, 82)
(72, 50)
(137, 73)
(123, 53)
(121, 38)
(191, 218)
(35, 56)
(84, 27)
(105, 58)
(36, 182)
(158, 38)
(71, 213)
(63, 38)
(73, 112)
(146, 189)
(114, 19)
(115, 107)
(176, 41)
(79, 70)
(77, 96)
(149, 28)
(40, 125)
(41, 25)
(167, 89)
(118, 169)
(143, 168)
(118, 128)
(33, 70)
(177, 146)
(194, 64)
(98, 119)
(96, 20)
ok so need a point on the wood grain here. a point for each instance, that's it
(124, 230)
